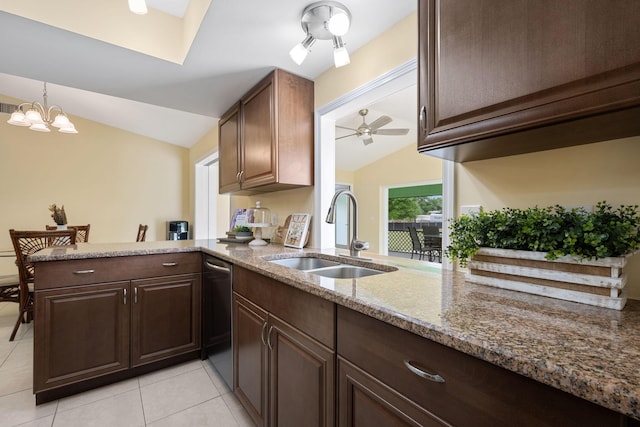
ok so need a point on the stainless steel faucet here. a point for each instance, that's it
(356, 245)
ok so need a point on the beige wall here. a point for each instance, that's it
(582, 175)
(403, 168)
(106, 177)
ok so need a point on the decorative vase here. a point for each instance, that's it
(598, 282)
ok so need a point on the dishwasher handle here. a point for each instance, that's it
(217, 267)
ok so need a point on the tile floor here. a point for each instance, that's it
(190, 394)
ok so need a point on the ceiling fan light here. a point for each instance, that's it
(300, 51)
(339, 23)
(18, 119)
(61, 121)
(138, 7)
(40, 127)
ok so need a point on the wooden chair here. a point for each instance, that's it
(26, 243)
(142, 233)
(10, 288)
(82, 231)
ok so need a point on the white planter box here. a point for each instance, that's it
(598, 282)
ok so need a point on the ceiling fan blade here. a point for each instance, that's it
(379, 122)
(367, 141)
(344, 127)
(346, 136)
(390, 131)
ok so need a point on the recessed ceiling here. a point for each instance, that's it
(236, 44)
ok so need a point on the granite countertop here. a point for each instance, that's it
(591, 352)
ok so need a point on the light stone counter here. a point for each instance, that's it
(591, 352)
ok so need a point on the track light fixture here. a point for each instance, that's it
(40, 116)
(324, 20)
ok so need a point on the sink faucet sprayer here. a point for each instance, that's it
(356, 245)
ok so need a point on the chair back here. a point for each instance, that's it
(82, 231)
(431, 230)
(415, 240)
(142, 233)
(27, 243)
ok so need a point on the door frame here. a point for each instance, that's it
(325, 116)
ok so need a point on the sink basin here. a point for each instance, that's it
(330, 268)
(305, 263)
(344, 271)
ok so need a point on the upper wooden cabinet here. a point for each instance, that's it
(266, 140)
(503, 77)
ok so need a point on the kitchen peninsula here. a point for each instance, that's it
(588, 352)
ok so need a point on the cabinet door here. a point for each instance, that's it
(364, 401)
(229, 150)
(503, 77)
(301, 378)
(165, 317)
(250, 357)
(80, 333)
(259, 136)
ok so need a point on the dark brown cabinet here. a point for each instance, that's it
(266, 140)
(284, 353)
(503, 77)
(410, 380)
(165, 317)
(98, 317)
(80, 333)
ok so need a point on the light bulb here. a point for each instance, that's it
(18, 119)
(338, 24)
(33, 116)
(138, 7)
(300, 51)
(40, 127)
(60, 121)
(340, 53)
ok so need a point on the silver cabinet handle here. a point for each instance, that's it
(84, 271)
(238, 177)
(269, 338)
(264, 328)
(135, 295)
(124, 298)
(423, 119)
(419, 372)
(169, 264)
(241, 177)
(219, 268)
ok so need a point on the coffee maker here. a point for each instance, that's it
(177, 230)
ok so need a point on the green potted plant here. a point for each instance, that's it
(242, 232)
(537, 250)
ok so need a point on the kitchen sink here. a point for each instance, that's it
(305, 263)
(343, 271)
(332, 268)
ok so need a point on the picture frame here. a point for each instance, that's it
(297, 232)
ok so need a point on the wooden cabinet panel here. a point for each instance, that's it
(302, 378)
(165, 317)
(280, 360)
(56, 274)
(259, 136)
(86, 334)
(473, 393)
(250, 358)
(502, 77)
(367, 402)
(266, 141)
(80, 333)
(229, 150)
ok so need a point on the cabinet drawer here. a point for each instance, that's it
(54, 274)
(474, 392)
(313, 315)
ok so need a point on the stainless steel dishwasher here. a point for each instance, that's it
(216, 314)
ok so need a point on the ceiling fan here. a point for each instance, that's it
(366, 131)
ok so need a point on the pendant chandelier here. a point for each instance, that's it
(40, 117)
